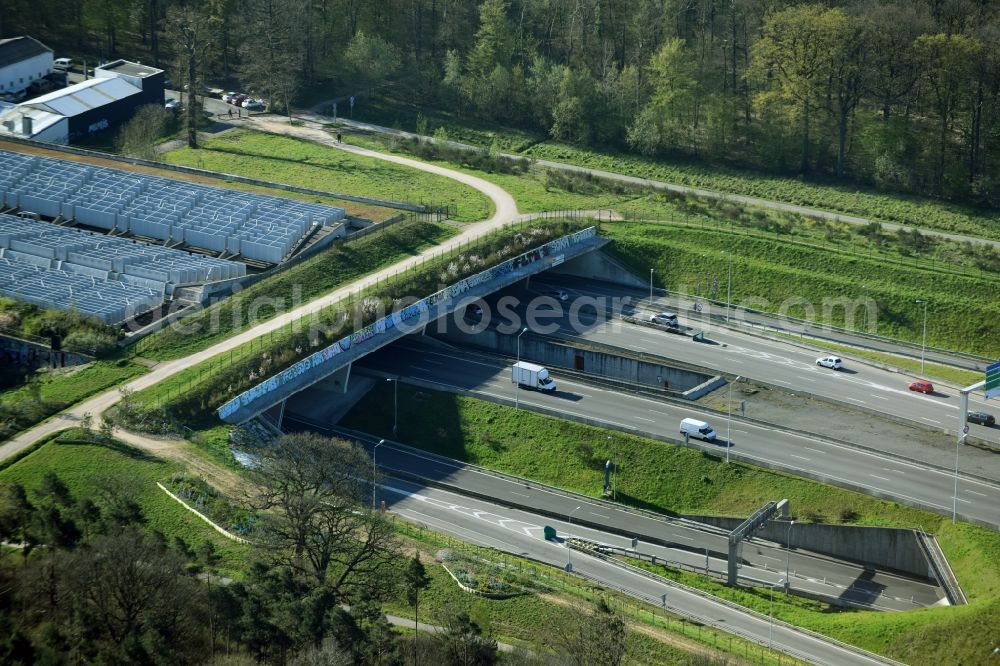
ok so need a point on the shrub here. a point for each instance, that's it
(90, 342)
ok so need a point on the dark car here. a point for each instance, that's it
(982, 418)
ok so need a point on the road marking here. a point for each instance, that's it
(427, 360)
(930, 420)
(681, 536)
(894, 471)
(860, 402)
(642, 418)
(518, 494)
(875, 476)
(799, 457)
(973, 492)
(417, 367)
(962, 500)
(599, 515)
(813, 450)
(880, 397)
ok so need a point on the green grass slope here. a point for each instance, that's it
(780, 276)
(306, 164)
(83, 466)
(673, 479)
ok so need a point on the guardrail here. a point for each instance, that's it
(659, 395)
(652, 515)
(750, 612)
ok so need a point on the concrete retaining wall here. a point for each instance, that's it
(32, 355)
(599, 266)
(884, 547)
(538, 349)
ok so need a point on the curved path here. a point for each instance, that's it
(674, 187)
(506, 212)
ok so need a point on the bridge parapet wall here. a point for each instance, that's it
(411, 318)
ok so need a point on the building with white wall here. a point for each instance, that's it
(23, 60)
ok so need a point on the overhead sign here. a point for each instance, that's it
(992, 387)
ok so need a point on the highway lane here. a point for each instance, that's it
(783, 365)
(768, 360)
(690, 544)
(853, 468)
(481, 523)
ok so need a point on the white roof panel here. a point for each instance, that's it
(84, 96)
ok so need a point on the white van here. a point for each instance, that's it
(62, 64)
(696, 428)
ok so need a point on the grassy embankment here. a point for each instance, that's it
(330, 269)
(56, 390)
(678, 480)
(306, 164)
(88, 469)
(779, 256)
(773, 276)
(533, 619)
(920, 212)
(524, 619)
(192, 395)
(327, 271)
(372, 212)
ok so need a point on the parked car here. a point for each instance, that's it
(665, 319)
(982, 418)
(831, 362)
(559, 295)
(253, 104)
(227, 97)
(237, 100)
(922, 386)
(62, 64)
(172, 104)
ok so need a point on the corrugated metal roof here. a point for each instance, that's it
(40, 120)
(84, 96)
(16, 49)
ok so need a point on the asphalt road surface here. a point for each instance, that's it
(477, 522)
(775, 362)
(692, 545)
(860, 470)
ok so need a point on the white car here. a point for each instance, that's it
(665, 319)
(253, 104)
(228, 96)
(559, 295)
(831, 362)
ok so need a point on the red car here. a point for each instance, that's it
(922, 386)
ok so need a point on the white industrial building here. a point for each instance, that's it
(23, 60)
(88, 107)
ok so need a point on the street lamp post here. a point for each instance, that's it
(380, 443)
(865, 287)
(729, 289)
(614, 459)
(650, 287)
(729, 418)
(569, 548)
(395, 405)
(923, 344)
(770, 614)
(517, 384)
(788, 552)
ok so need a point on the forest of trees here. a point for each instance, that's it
(900, 95)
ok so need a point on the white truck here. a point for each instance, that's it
(531, 376)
